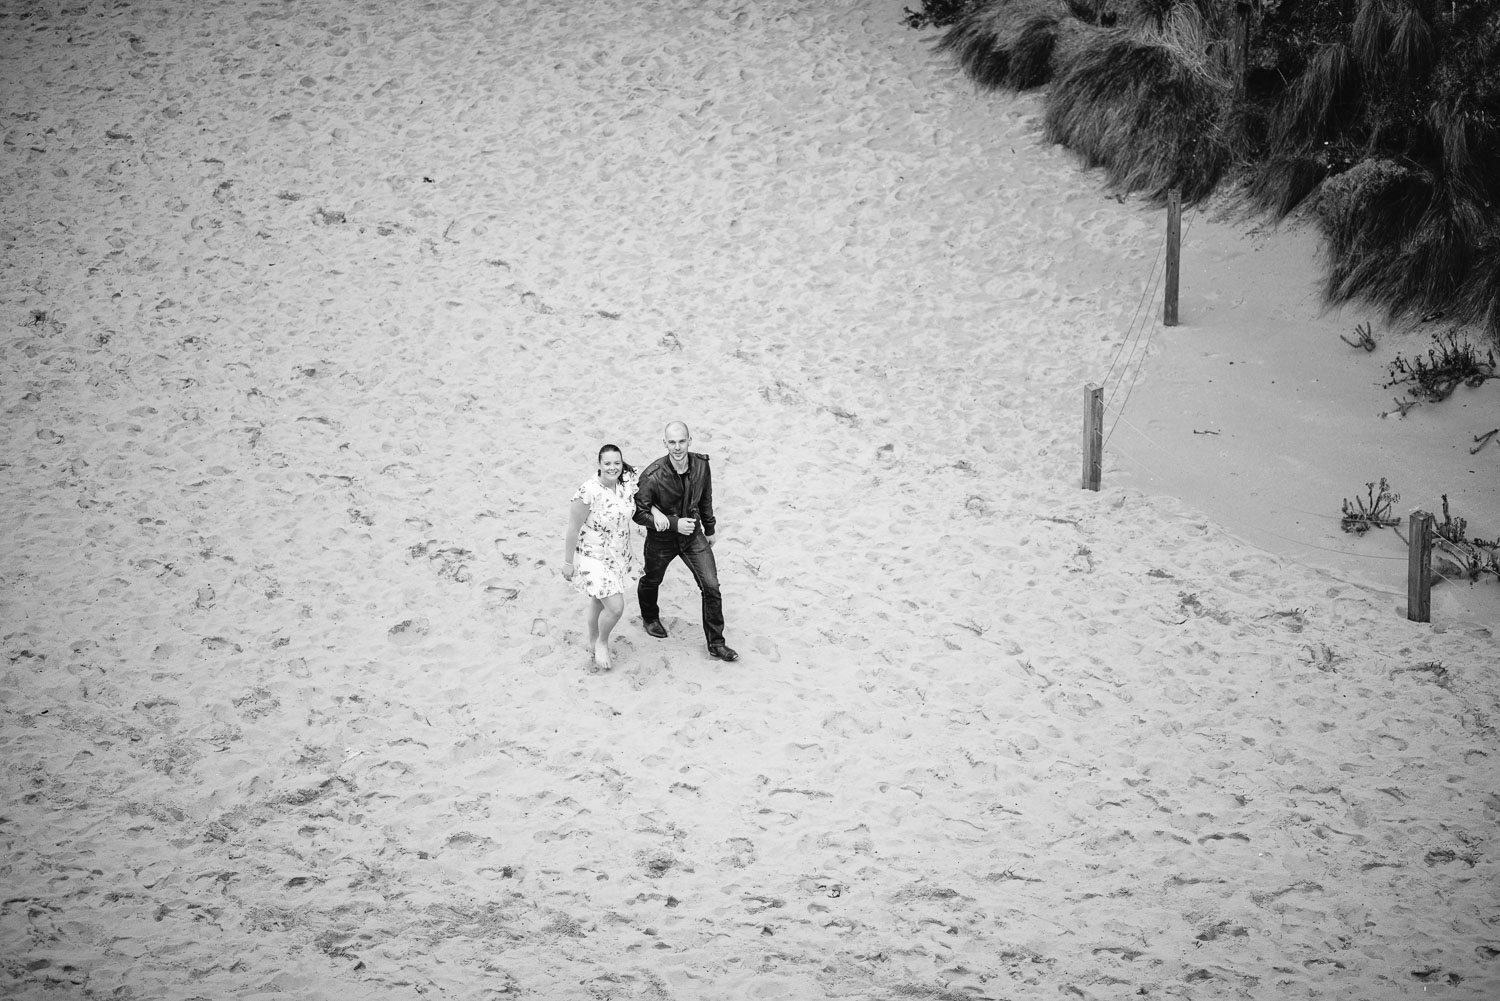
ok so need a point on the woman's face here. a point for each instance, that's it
(610, 465)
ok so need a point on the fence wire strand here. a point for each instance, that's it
(1120, 419)
(1137, 463)
(1132, 341)
(1140, 303)
(1133, 333)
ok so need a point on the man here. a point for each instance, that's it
(675, 501)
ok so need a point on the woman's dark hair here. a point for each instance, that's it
(625, 466)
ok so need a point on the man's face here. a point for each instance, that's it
(677, 442)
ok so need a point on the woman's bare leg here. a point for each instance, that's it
(609, 617)
(595, 607)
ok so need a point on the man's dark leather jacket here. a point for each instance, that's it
(660, 485)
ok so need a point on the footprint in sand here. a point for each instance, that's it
(409, 632)
(740, 853)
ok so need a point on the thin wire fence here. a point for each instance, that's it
(1128, 362)
(1125, 368)
(1136, 331)
(1460, 556)
(1147, 294)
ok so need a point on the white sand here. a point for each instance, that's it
(1258, 412)
(338, 304)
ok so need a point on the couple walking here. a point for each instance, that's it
(673, 499)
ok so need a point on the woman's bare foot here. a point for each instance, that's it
(602, 660)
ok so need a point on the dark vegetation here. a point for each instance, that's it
(1471, 558)
(1378, 118)
(1450, 363)
(1373, 510)
(1365, 337)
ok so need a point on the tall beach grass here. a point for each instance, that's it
(1379, 118)
(1013, 44)
(1153, 120)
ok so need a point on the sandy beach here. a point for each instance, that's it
(316, 315)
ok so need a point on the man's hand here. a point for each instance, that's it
(710, 539)
(686, 526)
(661, 521)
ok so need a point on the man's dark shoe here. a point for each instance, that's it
(655, 628)
(722, 652)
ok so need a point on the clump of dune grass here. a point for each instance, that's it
(1364, 213)
(1478, 298)
(1009, 43)
(1462, 106)
(1158, 14)
(1323, 101)
(1402, 115)
(1410, 242)
(1370, 203)
(1283, 182)
(1146, 109)
(1369, 34)
(1147, 105)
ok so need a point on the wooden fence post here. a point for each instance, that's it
(1240, 54)
(1093, 436)
(1419, 567)
(1174, 256)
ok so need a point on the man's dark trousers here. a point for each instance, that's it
(664, 547)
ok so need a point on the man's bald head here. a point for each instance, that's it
(677, 439)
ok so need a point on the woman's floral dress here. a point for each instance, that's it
(603, 563)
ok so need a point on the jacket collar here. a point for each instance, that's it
(666, 464)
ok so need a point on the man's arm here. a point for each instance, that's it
(706, 502)
(646, 500)
(643, 501)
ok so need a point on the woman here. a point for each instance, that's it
(596, 553)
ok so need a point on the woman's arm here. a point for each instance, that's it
(577, 514)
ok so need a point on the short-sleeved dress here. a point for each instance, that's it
(603, 562)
